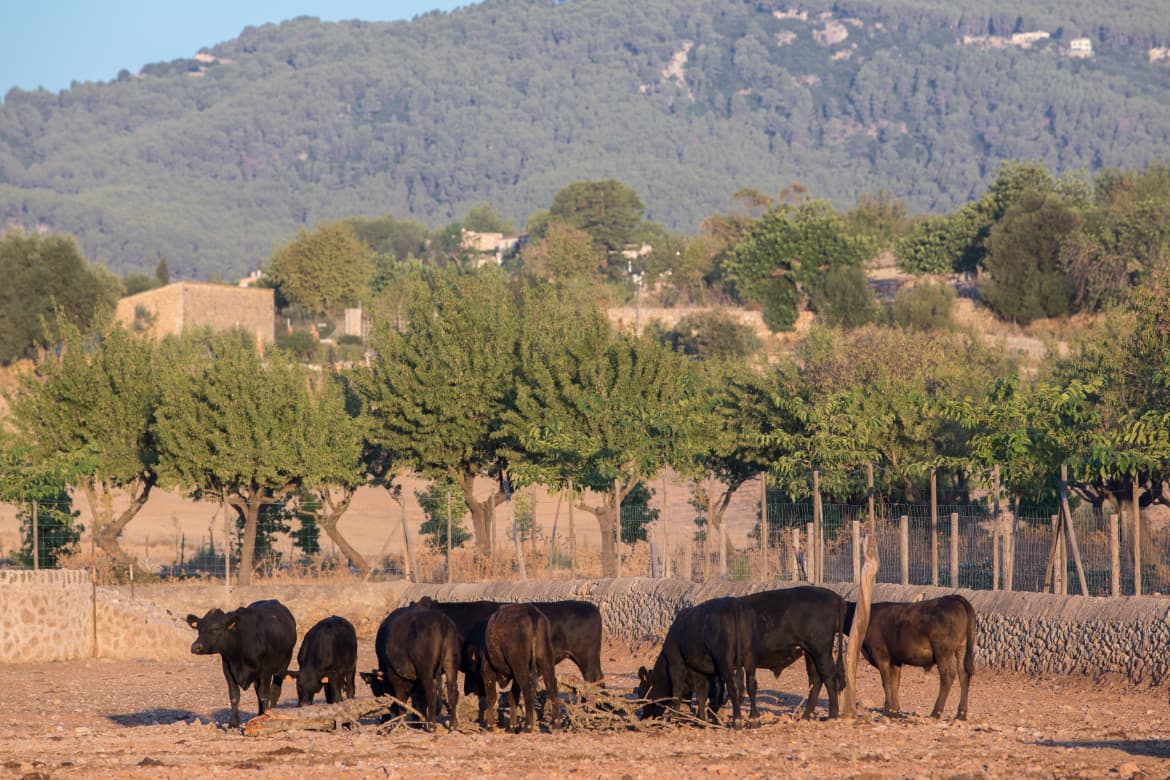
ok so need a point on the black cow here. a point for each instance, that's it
(921, 633)
(516, 646)
(328, 657)
(415, 647)
(706, 649)
(575, 633)
(795, 621)
(255, 644)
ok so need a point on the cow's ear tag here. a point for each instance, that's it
(231, 624)
(193, 621)
(325, 679)
(643, 675)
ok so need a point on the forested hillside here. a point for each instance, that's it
(214, 161)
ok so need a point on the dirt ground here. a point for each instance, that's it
(167, 720)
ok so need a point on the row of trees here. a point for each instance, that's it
(484, 374)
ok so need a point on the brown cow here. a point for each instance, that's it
(516, 646)
(920, 633)
(416, 648)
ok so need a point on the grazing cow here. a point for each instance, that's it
(328, 657)
(575, 633)
(516, 645)
(706, 649)
(795, 621)
(255, 644)
(921, 633)
(415, 647)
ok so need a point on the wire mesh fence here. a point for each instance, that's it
(918, 544)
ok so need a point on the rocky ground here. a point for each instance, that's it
(166, 719)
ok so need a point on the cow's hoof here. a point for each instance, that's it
(961, 716)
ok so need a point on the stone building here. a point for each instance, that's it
(185, 306)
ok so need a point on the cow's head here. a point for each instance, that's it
(651, 688)
(309, 682)
(378, 684)
(425, 601)
(216, 631)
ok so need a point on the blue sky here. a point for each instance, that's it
(51, 43)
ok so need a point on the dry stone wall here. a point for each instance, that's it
(49, 616)
(1024, 632)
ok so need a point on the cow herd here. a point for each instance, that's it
(710, 654)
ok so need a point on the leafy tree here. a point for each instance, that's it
(713, 335)
(46, 275)
(608, 211)
(1025, 277)
(924, 306)
(162, 272)
(879, 220)
(435, 500)
(562, 255)
(57, 533)
(91, 409)
(136, 283)
(25, 478)
(603, 409)
(844, 299)
(442, 380)
(485, 219)
(245, 431)
(942, 244)
(784, 257)
(324, 270)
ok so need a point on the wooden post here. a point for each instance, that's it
(572, 535)
(933, 527)
(448, 536)
(810, 553)
(414, 576)
(617, 511)
(814, 543)
(954, 549)
(665, 530)
(552, 542)
(722, 551)
(227, 554)
(856, 551)
(764, 533)
(904, 527)
(793, 562)
(653, 560)
(1114, 557)
(516, 541)
(995, 554)
(1137, 540)
(860, 625)
(36, 538)
(1059, 563)
(1070, 533)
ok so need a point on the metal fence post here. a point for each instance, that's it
(1114, 558)
(954, 549)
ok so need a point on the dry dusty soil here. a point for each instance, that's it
(167, 719)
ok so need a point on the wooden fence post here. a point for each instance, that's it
(1070, 533)
(1114, 557)
(933, 527)
(857, 551)
(572, 535)
(954, 549)
(810, 553)
(1137, 540)
(448, 536)
(665, 530)
(904, 527)
(995, 553)
(722, 551)
(765, 535)
(793, 546)
(814, 541)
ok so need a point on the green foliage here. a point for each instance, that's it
(563, 254)
(440, 495)
(133, 284)
(942, 244)
(47, 283)
(925, 306)
(484, 219)
(637, 514)
(844, 299)
(1025, 277)
(785, 255)
(608, 211)
(324, 270)
(712, 335)
(57, 532)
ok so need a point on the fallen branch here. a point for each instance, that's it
(332, 717)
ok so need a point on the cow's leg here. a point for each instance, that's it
(964, 684)
(274, 689)
(894, 707)
(749, 681)
(727, 672)
(946, 678)
(826, 668)
(349, 682)
(680, 681)
(814, 687)
(553, 708)
(489, 702)
(233, 695)
(452, 698)
(429, 697)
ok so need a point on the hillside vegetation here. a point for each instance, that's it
(214, 161)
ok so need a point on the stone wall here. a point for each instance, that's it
(48, 616)
(1033, 633)
(45, 616)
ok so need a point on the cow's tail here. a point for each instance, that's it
(972, 625)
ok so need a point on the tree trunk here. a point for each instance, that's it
(481, 512)
(328, 522)
(607, 515)
(249, 510)
(106, 530)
